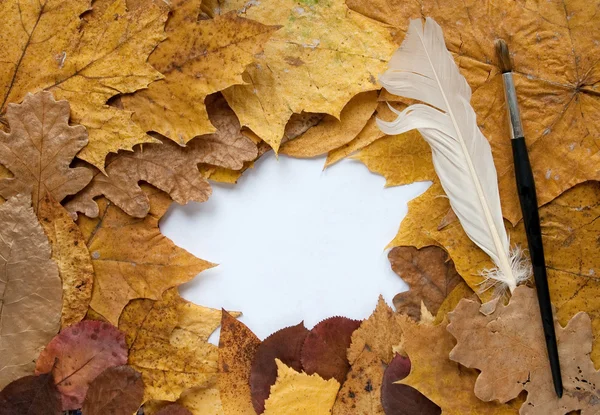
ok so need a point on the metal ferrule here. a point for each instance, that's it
(514, 118)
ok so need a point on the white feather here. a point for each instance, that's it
(423, 69)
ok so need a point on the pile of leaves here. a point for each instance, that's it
(113, 109)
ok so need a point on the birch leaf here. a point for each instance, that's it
(323, 55)
(132, 258)
(198, 58)
(30, 290)
(39, 148)
(85, 60)
(117, 391)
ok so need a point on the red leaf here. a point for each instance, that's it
(402, 399)
(174, 409)
(324, 350)
(117, 391)
(285, 345)
(31, 395)
(78, 354)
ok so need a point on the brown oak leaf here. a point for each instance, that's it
(30, 395)
(39, 149)
(30, 290)
(509, 349)
(285, 345)
(237, 347)
(117, 391)
(430, 274)
(78, 354)
(325, 347)
(169, 167)
(132, 258)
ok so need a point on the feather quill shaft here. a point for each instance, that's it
(423, 69)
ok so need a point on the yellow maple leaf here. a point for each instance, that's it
(198, 58)
(131, 258)
(85, 60)
(298, 393)
(323, 55)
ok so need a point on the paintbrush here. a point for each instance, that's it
(529, 207)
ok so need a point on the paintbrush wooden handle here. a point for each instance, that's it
(531, 220)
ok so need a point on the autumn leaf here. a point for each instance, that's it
(77, 355)
(39, 148)
(325, 346)
(174, 409)
(72, 257)
(202, 400)
(361, 392)
(169, 167)
(132, 258)
(509, 349)
(30, 290)
(430, 274)
(195, 62)
(323, 55)
(332, 133)
(85, 57)
(369, 134)
(380, 333)
(237, 347)
(30, 395)
(285, 345)
(402, 399)
(168, 344)
(298, 393)
(118, 391)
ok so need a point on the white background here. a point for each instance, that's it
(294, 242)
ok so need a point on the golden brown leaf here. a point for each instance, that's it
(168, 166)
(323, 56)
(509, 349)
(198, 58)
(202, 401)
(168, 345)
(131, 258)
(367, 135)
(332, 133)
(85, 60)
(72, 257)
(39, 148)
(298, 393)
(30, 290)
(237, 347)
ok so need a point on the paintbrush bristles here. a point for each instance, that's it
(503, 56)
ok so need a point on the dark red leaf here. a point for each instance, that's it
(402, 399)
(117, 391)
(78, 354)
(324, 350)
(174, 409)
(285, 345)
(31, 395)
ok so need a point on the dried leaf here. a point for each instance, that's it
(402, 399)
(202, 401)
(168, 345)
(168, 166)
(72, 257)
(298, 393)
(429, 272)
(78, 354)
(332, 133)
(39, 148)
(509, 349)
(285, 345)
(361, 392)
(173, 409)
(30, 395)
(195, 62)
(380, 332)
(116, 391)
(237, 347)
(324, 55)
(367, 135)
(85, 57)
(132, 258)
(30, 290)
(325, 346)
